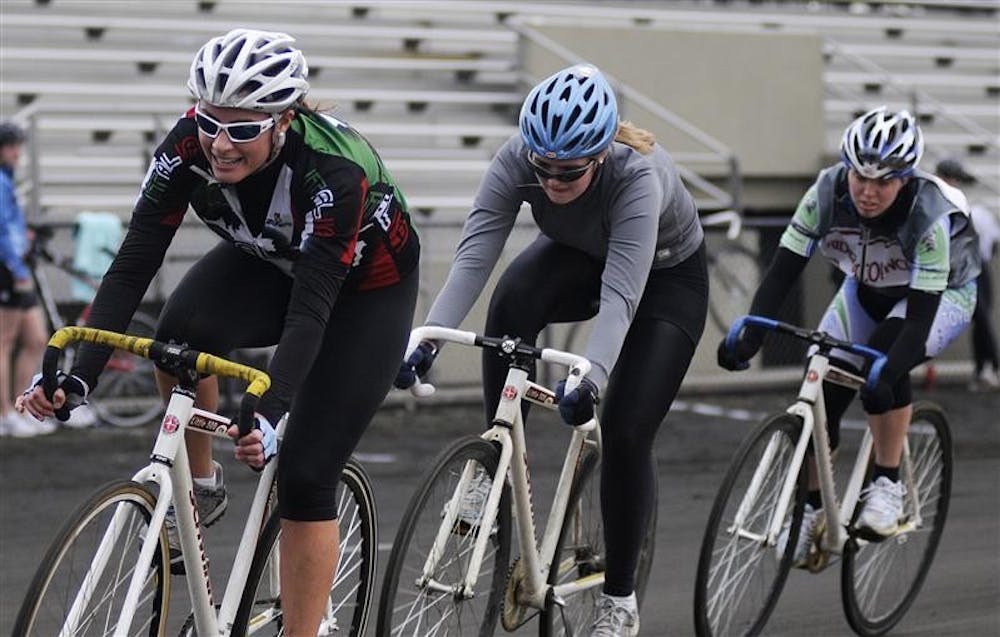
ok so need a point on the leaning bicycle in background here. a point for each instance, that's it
(766, 518)
(127, 395)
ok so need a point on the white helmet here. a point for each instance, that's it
(881, 144)
(245, 68)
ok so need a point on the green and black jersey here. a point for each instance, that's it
(326, 211)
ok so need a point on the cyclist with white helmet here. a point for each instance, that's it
(317, 257)
(903, 240)
(620, 241)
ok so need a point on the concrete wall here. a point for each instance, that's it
(759, 94)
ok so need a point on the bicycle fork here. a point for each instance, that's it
(450, 519)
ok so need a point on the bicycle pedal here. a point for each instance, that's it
(817, 561)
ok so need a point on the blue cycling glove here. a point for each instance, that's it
(269, 436)
(577, 407)
(416, 365)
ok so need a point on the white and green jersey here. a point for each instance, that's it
(923, 242)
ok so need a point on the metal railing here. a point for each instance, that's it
(715, 152)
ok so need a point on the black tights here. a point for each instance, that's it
(551, 283)
(230, 299)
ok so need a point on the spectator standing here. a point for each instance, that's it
(22, 324)
(986, 375)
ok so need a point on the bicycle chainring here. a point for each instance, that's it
(513, 614)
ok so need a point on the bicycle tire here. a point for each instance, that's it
(126, 395)
(880, 581)
(66, 564)
(732, 279)
(581, 552)
(354, 583)
(405, 607)
(741, 605)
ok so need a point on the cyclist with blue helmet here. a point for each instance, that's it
(903, 240)
(620, 241)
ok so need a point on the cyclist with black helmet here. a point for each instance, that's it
(620, 241)
(903, 240)
(317, 256)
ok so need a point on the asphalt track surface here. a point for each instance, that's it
(43, 479)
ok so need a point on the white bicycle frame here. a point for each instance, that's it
(169, 470)
(810, 407)
(508, 432)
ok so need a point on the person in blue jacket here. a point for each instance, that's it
(22, 324)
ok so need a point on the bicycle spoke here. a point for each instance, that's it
(740, 573)
(880, 580)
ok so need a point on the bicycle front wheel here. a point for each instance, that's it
(350, 599)
(740, 573)
(581, 553)
(879, 581)
(126, 394)
(79, 589)
(424, 594)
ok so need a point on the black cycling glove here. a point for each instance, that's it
(747, 346)
(416, 365)
(577, 407)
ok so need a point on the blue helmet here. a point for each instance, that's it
(571, 114)
(882, 145)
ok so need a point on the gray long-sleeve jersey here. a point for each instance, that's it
(635, 216)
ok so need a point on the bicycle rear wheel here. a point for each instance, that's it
(353, 587)
(440, 606)
(126, 394)
(879, 581)
(740, 574)
(581, 552)
(63, 573)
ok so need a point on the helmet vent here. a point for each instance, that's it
(571, 114)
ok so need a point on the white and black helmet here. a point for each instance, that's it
(245, 68)
(882, 145)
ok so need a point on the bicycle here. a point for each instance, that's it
(732, 268)
(107, 572)
(740, 574)
(127, 395)
(447, 575)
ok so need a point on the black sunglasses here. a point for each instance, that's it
(566, 176)
(239, 132)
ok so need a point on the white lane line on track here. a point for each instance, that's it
(744, 415)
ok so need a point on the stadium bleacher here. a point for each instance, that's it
(436, 85)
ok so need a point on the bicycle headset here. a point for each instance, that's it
(569, 115)
(882, 145)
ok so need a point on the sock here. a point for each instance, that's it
(207, 483)
(814, 499)
(891, 473)
(627, 601)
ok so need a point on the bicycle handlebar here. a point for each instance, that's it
(578, 365)
(165, 353)
(816, 337)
